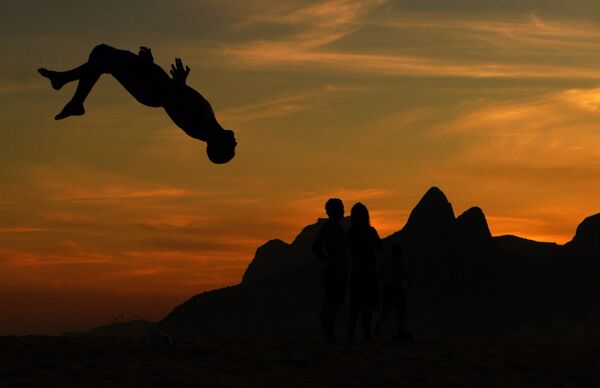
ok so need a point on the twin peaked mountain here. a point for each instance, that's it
(465, 282)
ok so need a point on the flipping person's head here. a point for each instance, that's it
(334, 208)
(359, 215)
(220, 148)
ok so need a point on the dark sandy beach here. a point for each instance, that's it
(111, 361)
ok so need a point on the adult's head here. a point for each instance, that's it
(359, 215)
(334, 208)
(220, 147)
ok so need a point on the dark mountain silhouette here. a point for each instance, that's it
(134, 328)
(269, 259)
(278, 256)
(472, 227)
(527, 248)
(586, 241)
(433, 217)
(579, 259)
(466, 283)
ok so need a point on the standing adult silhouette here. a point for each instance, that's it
(364, 286)
(330, 247)
(150, 85)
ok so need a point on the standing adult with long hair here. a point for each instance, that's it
(364, 286)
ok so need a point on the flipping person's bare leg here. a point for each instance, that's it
(87, 77)
(59, 78)
(86, 82)
(88, 74)
(140, 77)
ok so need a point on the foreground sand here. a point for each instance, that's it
(110, 361)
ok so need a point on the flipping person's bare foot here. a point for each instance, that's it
(54, 77)
(71, 109)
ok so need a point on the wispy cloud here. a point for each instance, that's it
(91, 226)
(530, 40)
(22, 229)
(346, 194)
(261, 54)
(318, 24)
(558, 129)
(64, 183)
(120, 193)
(530, 30)
(283, 105)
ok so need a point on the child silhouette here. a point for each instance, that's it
(394, 275)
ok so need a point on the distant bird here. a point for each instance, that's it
(149, 84)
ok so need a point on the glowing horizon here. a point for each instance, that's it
(373, 101)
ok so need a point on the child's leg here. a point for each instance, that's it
(401, 309)
(352, 318)
(385, 314)
(401, 319)
(386, 309)
(328, 319)
(367, 318)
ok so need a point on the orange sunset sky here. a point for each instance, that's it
(119, 213)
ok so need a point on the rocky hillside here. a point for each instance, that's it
(466, 283)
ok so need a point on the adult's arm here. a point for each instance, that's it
(317, 246)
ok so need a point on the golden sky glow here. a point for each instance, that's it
(118, 212)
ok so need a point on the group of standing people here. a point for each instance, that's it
(337, 249)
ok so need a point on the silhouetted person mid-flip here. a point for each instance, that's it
(149, 84)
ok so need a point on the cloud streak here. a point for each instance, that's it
(287, 104)
(269, 54)
(530, 41)
(321, 23)
(558, 129)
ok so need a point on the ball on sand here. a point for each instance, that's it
(161, 338)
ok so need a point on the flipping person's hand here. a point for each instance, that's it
(178, 73)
